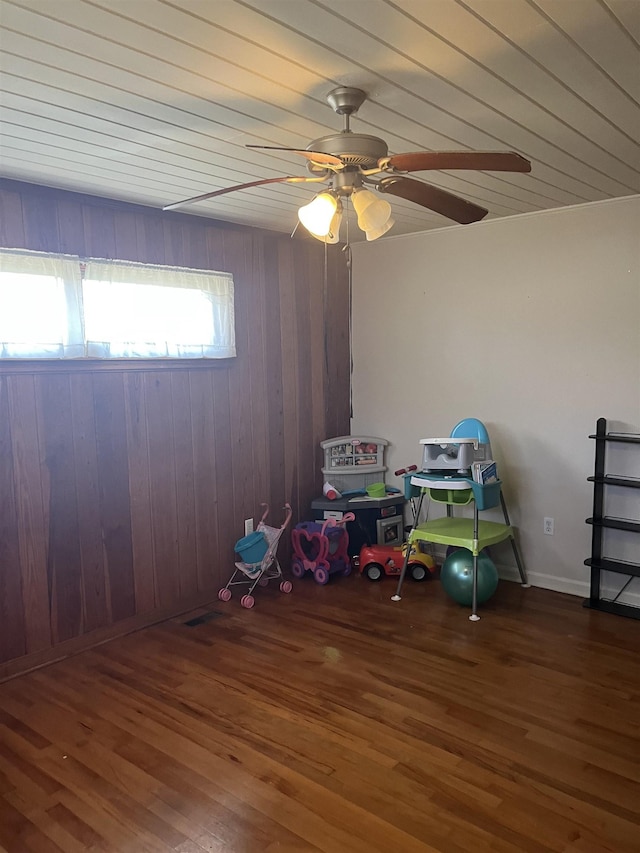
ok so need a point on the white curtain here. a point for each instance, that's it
(117, 310)
(40, 306)
(141, 311)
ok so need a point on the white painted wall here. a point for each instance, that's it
(530, 323)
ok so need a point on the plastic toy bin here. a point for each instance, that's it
(410, 491)
(486, 495)
(252, 548)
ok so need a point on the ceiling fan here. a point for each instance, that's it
(349, 163)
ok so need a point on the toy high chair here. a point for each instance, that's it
(448, 469)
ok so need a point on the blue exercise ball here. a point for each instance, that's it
(456, 576)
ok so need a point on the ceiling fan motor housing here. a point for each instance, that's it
(355, 149)
(345, 182)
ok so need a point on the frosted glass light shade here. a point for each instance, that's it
(317, 216)
(334, 228)
(374, 214)
(374, 233)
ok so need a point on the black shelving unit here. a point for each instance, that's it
(600, 522)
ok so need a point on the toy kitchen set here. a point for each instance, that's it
(353, 475)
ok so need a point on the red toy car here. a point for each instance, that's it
(379, 560)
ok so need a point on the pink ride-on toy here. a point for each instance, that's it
(261, 562)
(321, 548)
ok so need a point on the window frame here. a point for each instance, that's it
(62, 364)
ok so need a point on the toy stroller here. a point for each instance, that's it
(261, 562)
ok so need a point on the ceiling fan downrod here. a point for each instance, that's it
(346, 100)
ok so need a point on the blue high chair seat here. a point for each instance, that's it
(472, 428)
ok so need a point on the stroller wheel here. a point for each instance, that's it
(321, 575)
(224, 594)
(286, 586)
(263, 581)
(247, 601)
(297, 569)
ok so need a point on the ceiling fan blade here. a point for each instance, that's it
(451, 206)
(204, 196)
(315, 156)
(490, 161)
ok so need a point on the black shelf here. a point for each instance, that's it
(617, 480)
(621, 567)
(599, 521)
(624, 437)
(616, 523)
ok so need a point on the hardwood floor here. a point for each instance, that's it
(334, 720)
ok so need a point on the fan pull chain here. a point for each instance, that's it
(348, 257)
(325, 302)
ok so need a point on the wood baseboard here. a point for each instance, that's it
(19, 666)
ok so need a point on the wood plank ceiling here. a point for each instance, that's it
(152, 101)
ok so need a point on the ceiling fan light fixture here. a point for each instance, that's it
(373, 213)
(317, 216)
(374, 233)
(333, 236)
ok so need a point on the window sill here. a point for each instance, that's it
(83, 365)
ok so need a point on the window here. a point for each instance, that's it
(60, 307)
(40, 307)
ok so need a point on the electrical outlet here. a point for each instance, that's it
(548, 526)
(248, 526)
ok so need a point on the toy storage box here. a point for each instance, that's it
(353, 462)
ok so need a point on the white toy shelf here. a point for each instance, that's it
(353, 461)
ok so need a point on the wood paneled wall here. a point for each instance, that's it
(124, 487)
